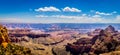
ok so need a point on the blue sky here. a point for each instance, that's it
(59, 11)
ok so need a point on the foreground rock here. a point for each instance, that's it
(7, 48)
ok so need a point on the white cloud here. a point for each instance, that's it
(68, 9)
(96, 16)
(10, 20)
(102, 13)
(82, 18)
(118, 18)
(84, 14)
(17, 20)
(59, 16)
(63, 19)
(41, 16)
(76, 19)
(44, 9)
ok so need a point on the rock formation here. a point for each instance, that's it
(7, 48)
(110, 29)
(4, 40)
(107, 41)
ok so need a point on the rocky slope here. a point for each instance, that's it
(7, 48)
(108, 40)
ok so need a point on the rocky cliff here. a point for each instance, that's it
(7, 48)
(108, 40)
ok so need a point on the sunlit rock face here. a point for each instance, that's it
(110, 29)
(106, 41)
(3, 34)
(7, 48)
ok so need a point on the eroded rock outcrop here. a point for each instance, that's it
(7, 48)
(107, 41)
(110, 29)
(19, 35)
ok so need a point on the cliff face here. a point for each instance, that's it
(19, 35)
(4, 40)
(110, 29)
(108, 40)
(7, 48)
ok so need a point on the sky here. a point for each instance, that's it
(59, 11)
